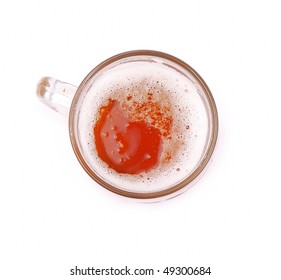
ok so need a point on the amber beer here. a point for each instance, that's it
(145, 125)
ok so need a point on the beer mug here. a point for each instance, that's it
(143, 124)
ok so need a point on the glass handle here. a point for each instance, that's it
(56, 94)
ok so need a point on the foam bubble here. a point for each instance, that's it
(132, 81)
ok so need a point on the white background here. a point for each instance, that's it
(54, 217)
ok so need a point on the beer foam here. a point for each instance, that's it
(168, 85)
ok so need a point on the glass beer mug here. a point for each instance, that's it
(143, 124)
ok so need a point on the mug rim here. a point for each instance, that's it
(184, 184)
